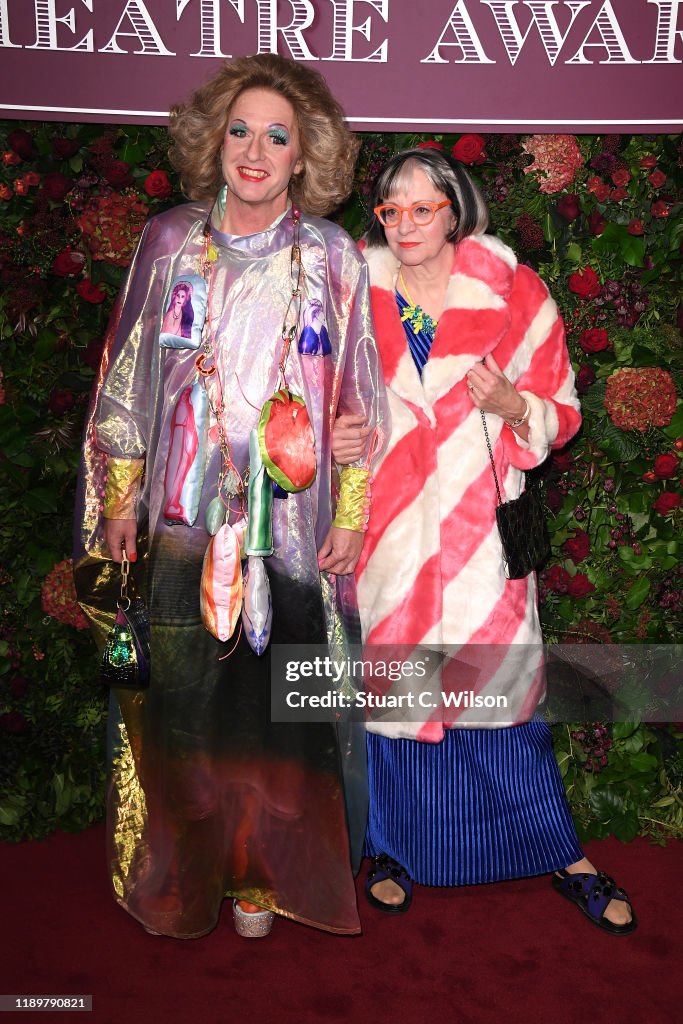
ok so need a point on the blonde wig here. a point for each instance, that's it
(328, 149)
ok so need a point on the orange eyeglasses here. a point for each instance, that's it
(421, 214)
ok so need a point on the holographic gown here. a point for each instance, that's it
(207, 796)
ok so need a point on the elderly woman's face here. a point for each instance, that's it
(416, 245)
(261, 151)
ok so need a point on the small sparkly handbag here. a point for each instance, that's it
(522, 526)
(126, 656)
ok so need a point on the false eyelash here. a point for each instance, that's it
(279, 135)
(238, 130)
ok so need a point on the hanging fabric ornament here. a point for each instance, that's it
(221, 586)
(214, 517)
(260, 506)
(286, 441)
(184, 474)
(257, 609)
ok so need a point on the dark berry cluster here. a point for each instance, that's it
(595, 742)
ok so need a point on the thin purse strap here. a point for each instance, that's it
(493, 465)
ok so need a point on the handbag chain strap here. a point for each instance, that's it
(493, 465)
(124, 599)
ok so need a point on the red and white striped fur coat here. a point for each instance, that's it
(431, 571)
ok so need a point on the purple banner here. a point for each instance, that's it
(493, 65)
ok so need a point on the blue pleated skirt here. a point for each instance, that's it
(482, 806)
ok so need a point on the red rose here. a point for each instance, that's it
(678, 444)
(617, 194)
(563, 461)
(648, 161)
(117, 173)
(666, 502)
(659, 208)
(621, 176)
(19, 686)
(568, 207)
(594, 339)
(64, 148)
(666, 466)
(578, 546)
(60, 401)
(584, 378)
(580, 586)
(22, 143)
(32, 178)
(93, 293)
(556, 578)
(599, 188)
(56, 186)
(13, 721)
(5, 192)
(596, 223)
(585, 283)
(657, 179)
(554, 499)
(636, 227)
(158, 185)
(92, 353)
(10, 158)
(430, 144)
(68, 261)
(650, 477)
(469, 148)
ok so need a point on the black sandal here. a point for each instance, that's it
(384, 866)
(592, 894)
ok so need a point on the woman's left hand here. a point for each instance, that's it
(340, 551)
(491, 391)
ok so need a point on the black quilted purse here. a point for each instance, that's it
(521, 525)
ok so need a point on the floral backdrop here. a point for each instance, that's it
(600, 217)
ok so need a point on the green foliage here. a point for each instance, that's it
(74, 198)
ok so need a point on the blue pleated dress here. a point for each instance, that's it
(481, 806)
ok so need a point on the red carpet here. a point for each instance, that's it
(506, 953)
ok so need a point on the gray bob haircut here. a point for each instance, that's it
(446, 175)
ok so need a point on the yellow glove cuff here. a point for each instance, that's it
(122, 487)
(353, 507)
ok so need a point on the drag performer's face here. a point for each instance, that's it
(260, 154)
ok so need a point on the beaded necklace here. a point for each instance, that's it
(231, 483)
(418, 319)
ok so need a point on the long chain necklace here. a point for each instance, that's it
(419, 320)
(231, 483)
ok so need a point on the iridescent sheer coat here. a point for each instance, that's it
(207, 796)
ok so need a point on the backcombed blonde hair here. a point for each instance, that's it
(328, 148)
